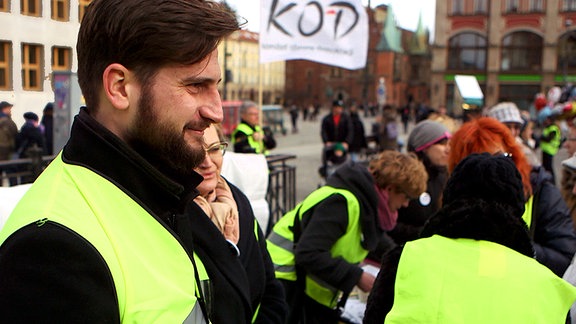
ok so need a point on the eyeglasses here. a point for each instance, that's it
(216, 150)
(504, 154)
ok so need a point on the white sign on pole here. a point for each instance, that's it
(324, 31)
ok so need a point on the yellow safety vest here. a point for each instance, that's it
(552, 147)
(348, 247)
(258, 146)
(153, 275)
(443, 280)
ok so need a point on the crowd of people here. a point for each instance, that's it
(35, 136)
(134, 222)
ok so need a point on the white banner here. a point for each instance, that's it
(333, 32)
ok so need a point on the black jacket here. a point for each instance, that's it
(265, 289)
(411, 219)
(552, 230)
(474, 219)
(326, 222)
(342, 132)
(51, 274)
(28, 137)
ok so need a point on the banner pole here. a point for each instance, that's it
(260, 91)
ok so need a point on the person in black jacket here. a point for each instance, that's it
(30, 136)
(546, 213)
(47, 124)
(231, 212)
(76, 248)
(359, 139)
(476, 251)
(336, 128)
(429, 140)
(337, 225)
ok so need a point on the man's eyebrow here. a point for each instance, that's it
(200, 79)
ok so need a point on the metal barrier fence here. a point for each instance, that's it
(20, 171)
(281, 195)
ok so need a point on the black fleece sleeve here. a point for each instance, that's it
(273, 306)
(381, 298)
(49, 274)
(554, 237)
(241, 144)
(325, 224)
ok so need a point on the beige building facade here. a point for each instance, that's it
(243, 75)
(514, 48)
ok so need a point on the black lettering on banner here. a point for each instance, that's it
(320, 23)
(276, 12)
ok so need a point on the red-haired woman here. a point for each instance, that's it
(546, 212)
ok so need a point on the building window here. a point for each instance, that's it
(567, 53)
(457, 7)
(61, 10)
(31, 67)
(5, 66)
(4, 5)
(467, 51)
(336, 72)
(521, 52)
(536, 5)
(31, 8)
(82, 6)
(569, 5)
(480, 6)
(61, 58)
(522, 94)
(512, 6)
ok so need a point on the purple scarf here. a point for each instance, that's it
(387, 219)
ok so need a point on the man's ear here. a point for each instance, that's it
(116, 81)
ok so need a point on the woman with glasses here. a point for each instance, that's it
(230, 211)
(546, 214)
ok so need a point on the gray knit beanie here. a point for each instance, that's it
(425, 134)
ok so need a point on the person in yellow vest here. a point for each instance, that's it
(108, 233)
(474, 262)
(318, 246)
(249, 136)
(550, 140)
(546, 215)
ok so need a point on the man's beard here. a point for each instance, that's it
(162, 145)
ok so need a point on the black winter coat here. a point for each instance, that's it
(342, 132)
(553, 234)
(411, 219)
(72, 283)
(265, 290)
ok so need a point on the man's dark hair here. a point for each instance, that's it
(146, 35)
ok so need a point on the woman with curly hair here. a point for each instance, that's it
(546, 214)
(317, 247)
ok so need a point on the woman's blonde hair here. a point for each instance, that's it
(404, 172)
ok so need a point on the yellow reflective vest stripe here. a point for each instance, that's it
(551, 147)
(153, 275)
(443, 280)
(256, 145)
(348, 247)
(528, 207)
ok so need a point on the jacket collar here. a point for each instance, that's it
(93, 146)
